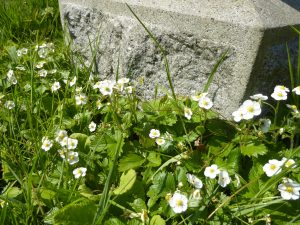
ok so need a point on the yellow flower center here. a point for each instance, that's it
(250, 109)
(273, 167)
(179, 202)
(289, 189)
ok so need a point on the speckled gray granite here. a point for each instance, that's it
(194, 34)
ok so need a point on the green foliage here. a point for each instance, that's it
(79, 154)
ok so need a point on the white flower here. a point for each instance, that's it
(281, 130)
(21, 68)
(92, 126)
(281, 88)
(250, 109)
(178, 202)
(72, 157)
(9, 104)
(211, 171)
(46, 144)
(195, 181)
(40, 64)
(72, 143)
(297, 90)
(224, 178)
(289, 189)
(188, 113)
(55, 86)
(78, 89)
(273, 167)
(11, 77)
(79, 172)
(160, 141)
(123, 80)
(205, 103)
(280, 93)
(42, 73)
(265, 125)
(288, 162)
(196, 194)
(60, 135)
(237, 115)
(154, 133)
(80, 99)
(105, 87)
(198, 96)
(293, 107)
(73, 81)
(63, 152)
(129, 89)
(259, 97)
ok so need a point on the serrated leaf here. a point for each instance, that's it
(154, 159)
(254, 149)
(130, 161)
(138, 205)
(126, 182)
(79, 213)
(157, 220)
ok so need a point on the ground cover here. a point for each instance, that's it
(76, 149)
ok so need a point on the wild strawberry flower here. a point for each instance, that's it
(211, 171)
(79, 172)
(11, 77)
(71, 143)
(80, 99)
(188, 113)
(61, 135)
(92, 126)
(123, 80)
(250, 109)
(154, 133)
(293, 107)
(273, 167)
(280, 93)
(281, 88)
(55, 86)
(62, 152)
(196, 194)
(289, 189)
(160, 141)
(9, 104)
(73, 81)
(46, 144)
(178, 202)
(42, 73)
(205, 103)
(259, 97)
(237, 115)
(297, 90)
(265, 125)
(129, 89)
(105, 86)
(288, 162)
(40, 64)
(21, 52)
(72, 157)
(195, 181)
(224, 178)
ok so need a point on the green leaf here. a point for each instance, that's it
(79, 213)
(154, 159)
(254, 149)
(138, 205)
(157, 220)
(113, 221)
(126, 182)
(130, 161)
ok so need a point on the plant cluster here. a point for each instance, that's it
(77, 149)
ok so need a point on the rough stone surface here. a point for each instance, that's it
(194, 33)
